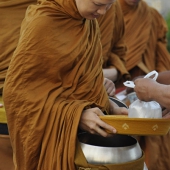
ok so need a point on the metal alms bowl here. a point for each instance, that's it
(118, 102)
(109, 150)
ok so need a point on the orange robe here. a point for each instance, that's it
(145, 38)
(55, 73)
(147, 50)
(11, 15)
(113, 44)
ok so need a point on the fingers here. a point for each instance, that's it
(110, 91)
(100, 125)
(91, 122)
(1, 105)
(166, 114)
(107, 127)
(120, 111)
(109, 86)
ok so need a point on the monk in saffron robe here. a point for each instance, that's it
(54, 84)
(147, 50)
(113, 45)
(12, 13)
(145, 38)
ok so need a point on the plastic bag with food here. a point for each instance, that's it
(142, 109)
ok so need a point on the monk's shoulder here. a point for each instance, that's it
(158, 18)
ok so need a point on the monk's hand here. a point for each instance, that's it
(91, 122)
(116, 110)
(109, 86)
(166, 114)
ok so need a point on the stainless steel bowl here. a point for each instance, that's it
(118, 102)
(110, 150)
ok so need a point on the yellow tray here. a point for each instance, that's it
(137, 126)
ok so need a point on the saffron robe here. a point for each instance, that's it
(12, 13)
(145, 38)
(113, 44)
(55, 73)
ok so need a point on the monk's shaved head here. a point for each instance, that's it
(91, 9)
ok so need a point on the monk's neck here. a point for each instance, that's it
(126, 7)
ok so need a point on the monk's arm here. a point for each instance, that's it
(118, 46)
(110, 73)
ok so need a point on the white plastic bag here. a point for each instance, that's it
(141, 109)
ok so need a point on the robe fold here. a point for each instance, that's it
(113, 43)
(145, 38)
(11, 15)
(6, 161)
(55, 73)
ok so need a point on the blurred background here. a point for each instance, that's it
(163, 6)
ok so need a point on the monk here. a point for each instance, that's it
(54, 84)
(12, 13)
(145, 38)
(112, 30)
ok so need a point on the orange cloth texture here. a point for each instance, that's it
(145, 38)
(157, 151)
(11, 15)
(112, 37)
(6, 161)
(55, 72)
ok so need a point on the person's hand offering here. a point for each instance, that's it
(109, 86)
(130, 90)
(144, 88)
(166, 114)
(91, 122)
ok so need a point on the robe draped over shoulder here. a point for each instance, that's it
(145, 38)
(113, 43)
(55, 73)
